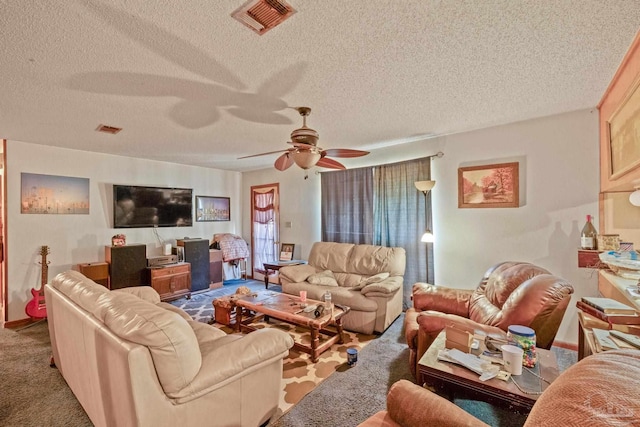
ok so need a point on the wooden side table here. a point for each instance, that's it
(276, 266)
(454, 378)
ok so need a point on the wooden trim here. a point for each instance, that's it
(276, 203)
(625, 60)
(19, 323)
(567, 345)
(3, 224)
(627, 74)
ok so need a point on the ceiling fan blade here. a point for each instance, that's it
(262, 154)
(283, 162)
(344, 152)
(325, 162)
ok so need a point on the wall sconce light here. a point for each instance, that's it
(634, 198)
(425, 187)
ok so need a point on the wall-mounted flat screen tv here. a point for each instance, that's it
(139, 207)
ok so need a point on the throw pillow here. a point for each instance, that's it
(324, 278)
(376, 278)
(297, 273)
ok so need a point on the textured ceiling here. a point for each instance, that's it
(191, 85)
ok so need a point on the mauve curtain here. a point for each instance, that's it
(401, 217)
(263, 223)
(347, 206)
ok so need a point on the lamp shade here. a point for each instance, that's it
(634, 198)
(427, 237)
(424, 186)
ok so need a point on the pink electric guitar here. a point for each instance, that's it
(36, 308)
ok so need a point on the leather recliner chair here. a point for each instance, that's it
(510, 293)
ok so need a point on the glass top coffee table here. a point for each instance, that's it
(518, 393)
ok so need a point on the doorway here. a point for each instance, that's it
(265, 226)
(3, 231)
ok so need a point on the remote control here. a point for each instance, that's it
(634, 340)
(310, 308)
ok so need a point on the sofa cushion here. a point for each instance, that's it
(146, 293)
(297, 273)
(170, 339)
(331, 256)
(324, 278)
(369, 260)
(80, 289)
(376, 278)
(205, 333)
(348, 280)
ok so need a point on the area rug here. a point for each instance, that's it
(300, 376)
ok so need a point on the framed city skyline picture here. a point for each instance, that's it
(53, 195)
(213, 208)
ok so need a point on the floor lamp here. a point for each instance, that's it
(427, 237)
(425, 187)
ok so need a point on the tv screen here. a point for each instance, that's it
(139, 207)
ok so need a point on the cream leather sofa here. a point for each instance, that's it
(132, 360)
(366, 278)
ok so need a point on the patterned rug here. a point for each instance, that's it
(300, 375)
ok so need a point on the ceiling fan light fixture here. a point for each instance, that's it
(304, 158)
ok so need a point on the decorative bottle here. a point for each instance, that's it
(588, 236)
(327, 300)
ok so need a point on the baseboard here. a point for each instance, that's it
(567, 345)
(19, 323)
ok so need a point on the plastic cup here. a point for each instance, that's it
(352, 356)
(512, 356)
(303, 296)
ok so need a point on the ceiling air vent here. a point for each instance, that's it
(108, 129)
(262, 15)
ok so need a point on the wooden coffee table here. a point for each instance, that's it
(454, 378)
(287, 308)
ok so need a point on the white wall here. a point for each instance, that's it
(75, 239)
(559, 185)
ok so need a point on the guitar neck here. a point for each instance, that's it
(44, 251)
(45, 275)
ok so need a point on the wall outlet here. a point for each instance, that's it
(287, 224)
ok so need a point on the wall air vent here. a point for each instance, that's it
(262, 15)
(108, 129)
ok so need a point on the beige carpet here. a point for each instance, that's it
(300, 375)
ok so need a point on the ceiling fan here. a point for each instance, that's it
(305, 151)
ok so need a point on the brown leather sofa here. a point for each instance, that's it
(600, 390)
(509, 293)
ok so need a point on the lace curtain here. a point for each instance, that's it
(263, 229)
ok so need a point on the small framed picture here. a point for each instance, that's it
(286, 251)
(213, 209)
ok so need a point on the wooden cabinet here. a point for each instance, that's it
(96, 271)
(171, 281)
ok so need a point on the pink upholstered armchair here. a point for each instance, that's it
(510, 293)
